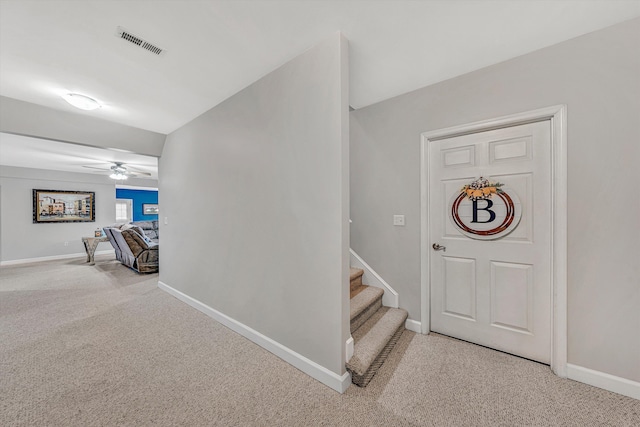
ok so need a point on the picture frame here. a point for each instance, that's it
(59, 206)
(150, 209)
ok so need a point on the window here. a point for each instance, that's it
(124, 210)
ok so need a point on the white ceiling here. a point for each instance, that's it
(216, 48)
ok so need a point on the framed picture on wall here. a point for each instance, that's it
(63, 206)
(149, 209)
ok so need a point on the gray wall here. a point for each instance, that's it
(24, 118)
(20, 238)
(256, 195)
(598, 77)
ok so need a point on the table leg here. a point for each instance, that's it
(86, 249)
(92, 252)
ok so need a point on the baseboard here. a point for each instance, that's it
(370, 277)
(53, 258)
(339, 383)
(413, 325)
(606, 381)
(350, 347)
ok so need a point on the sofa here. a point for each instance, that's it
(133, 249)
(150, 229)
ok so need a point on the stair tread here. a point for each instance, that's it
(364, 299)
(355, 273)
(356, 290)
(378, 331)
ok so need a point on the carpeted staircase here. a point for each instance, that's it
(375, 329)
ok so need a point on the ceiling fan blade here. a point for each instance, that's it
(137, 173)
(94, 167)
(132, 168)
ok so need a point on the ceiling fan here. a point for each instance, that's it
(119, 171)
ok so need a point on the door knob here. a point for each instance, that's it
(437, 247)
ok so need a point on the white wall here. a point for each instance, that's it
(256, 195)
(21, 239)
(598, 77)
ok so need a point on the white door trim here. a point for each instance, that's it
(557, 115)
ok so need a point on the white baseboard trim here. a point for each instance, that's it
(370, 277)
(413, 325)
(339, 383)
(606, 381)
(350, 347)
(53, 258)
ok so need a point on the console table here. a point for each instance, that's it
(90, 245)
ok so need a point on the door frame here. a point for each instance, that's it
(557, 116)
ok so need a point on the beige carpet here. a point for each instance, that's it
(100, 345)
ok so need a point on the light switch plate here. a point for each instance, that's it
(398, 220)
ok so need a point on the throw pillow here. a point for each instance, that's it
(138, 230)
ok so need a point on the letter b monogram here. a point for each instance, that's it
(492, 214)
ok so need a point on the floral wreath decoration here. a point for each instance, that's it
(481, 189)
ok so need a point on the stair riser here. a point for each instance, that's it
(355, 283)
(364, 379)
(359, 320)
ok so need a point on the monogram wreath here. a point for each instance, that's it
(481, 189)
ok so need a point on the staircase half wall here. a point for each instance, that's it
(255, 207)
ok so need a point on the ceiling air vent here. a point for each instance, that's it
(126, 35)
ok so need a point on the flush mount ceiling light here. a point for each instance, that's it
(81, 101)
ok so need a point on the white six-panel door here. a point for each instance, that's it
(495, 293)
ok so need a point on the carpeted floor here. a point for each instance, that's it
(100, 345)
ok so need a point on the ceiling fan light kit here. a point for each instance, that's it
(81, 101)
(118, 176)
